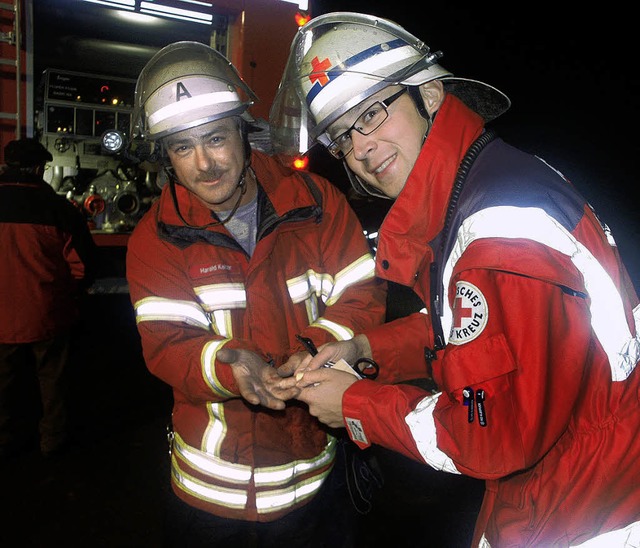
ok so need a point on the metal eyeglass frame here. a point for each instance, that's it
(334, 147)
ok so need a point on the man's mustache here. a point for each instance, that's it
(212, 175)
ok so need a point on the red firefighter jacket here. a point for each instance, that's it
(196, 291)
(47, 257)
(539, 387)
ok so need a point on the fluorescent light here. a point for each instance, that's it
(122, 4)
(158, 9)
(198, 3)
(138, 18)
(176, 13)
(302, 4)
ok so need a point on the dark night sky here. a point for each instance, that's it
(574, 86)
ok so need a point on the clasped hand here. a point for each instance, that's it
(258, 382)
(302, 377)
(321, 388)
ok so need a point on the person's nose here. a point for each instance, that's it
(362, 145)
(204, 160)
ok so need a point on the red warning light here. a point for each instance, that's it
(302, 18)
(300, 162)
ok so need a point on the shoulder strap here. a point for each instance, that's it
(313, 188)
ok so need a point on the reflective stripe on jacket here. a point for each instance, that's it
(196, 290)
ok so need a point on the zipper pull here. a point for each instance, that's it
(467, 399)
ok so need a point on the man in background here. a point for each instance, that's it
(47, 259)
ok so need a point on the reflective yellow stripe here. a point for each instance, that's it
(268, 500)
(358, 271)
(222, 296)
(272, 501)
(340, 332)
(222, 324)
(208, 364)
(284, 473)
(231, 498)
(216, 430)
(212, 465)
(218, 300)
(160, 309)
(309, 283)
(216, 467)
(324, 286)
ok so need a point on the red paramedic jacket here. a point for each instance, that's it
(47, 259)
(196, 291)
(539, 387)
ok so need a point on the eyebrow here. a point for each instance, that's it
(222, 130)
(339, 128)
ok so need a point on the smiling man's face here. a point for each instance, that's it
(209, 160)
(385, 157)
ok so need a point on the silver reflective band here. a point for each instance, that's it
(192, 103)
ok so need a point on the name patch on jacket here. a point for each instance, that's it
(204, 270)
(470, 313)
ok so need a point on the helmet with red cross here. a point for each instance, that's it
(184, 85)
(338, 60)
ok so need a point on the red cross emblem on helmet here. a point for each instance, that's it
(319, 73)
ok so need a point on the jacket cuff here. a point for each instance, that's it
(355, 400)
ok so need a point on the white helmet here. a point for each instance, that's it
(184, 85)
(338, 60)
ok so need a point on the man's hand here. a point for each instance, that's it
(322, 391)
(293, 363)
(349, 351)
(259, 383)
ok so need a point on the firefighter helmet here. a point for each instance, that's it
(338, 60)
(184, 85)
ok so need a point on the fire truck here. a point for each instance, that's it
(68, 72)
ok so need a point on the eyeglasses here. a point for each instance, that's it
(370, 120)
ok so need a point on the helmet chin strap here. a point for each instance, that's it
(429, 120)
(241, 185)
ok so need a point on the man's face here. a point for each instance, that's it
(385, 157)
(208, 160)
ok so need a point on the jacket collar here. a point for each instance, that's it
(418, 213)
(275, 179)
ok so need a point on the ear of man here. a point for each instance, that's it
(432, 94)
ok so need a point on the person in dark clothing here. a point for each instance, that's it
(47, 260)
